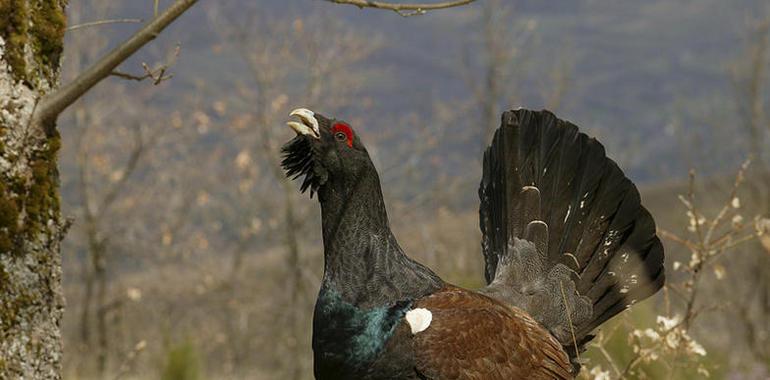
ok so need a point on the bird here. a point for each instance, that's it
(566, 245)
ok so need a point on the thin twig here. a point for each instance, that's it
(405, 9)
(139, 78)
(677, 290)
(738, 242)
(609, 360)
(696, 215)
(631, 364)
(54, 103)
(157, 75)
(136, 154)
(729, 203)
(675, 238)
(103, 22)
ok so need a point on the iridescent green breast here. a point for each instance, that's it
(347, 339)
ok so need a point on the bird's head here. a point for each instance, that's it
(325, 151)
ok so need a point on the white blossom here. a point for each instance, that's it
(719, 271)
(669, 323)
(134, 294)
(696, 348)
(672, 340)
(652, 334)
(695, 259)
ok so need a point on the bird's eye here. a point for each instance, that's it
(343, 133)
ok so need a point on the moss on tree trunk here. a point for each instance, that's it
(31, 227)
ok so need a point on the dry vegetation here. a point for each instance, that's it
(661, 341)
(192, 256)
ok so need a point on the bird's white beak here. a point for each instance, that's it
(308, 125)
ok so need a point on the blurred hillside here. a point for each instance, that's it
(641, 74)
(191, 255)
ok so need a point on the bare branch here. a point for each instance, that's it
(140, 147)
(157, 75)
(739, 178)
(674, 237)
(103, 22)
(405, 9)
(53, 104)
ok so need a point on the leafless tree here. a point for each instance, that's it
(32, 224)
(495, 78)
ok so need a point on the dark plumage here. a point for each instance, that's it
(566, 243)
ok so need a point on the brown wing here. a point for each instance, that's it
(473, 337)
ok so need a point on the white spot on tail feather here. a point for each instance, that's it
(419, 319)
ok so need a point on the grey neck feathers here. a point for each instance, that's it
(362, 259)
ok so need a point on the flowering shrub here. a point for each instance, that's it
(667, 345)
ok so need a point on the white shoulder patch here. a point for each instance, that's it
(419, 319)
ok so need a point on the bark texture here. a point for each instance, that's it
(31, 227)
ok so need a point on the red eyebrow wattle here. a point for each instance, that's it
(344, 128)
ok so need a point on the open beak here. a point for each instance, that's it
(307, 125)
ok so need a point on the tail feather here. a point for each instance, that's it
(547, 183)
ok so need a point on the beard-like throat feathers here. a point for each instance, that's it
(362, 259)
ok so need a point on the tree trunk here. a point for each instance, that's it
(31, 227)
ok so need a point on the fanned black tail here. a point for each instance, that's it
(565, 236)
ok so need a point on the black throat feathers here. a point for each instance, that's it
(362, 259)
